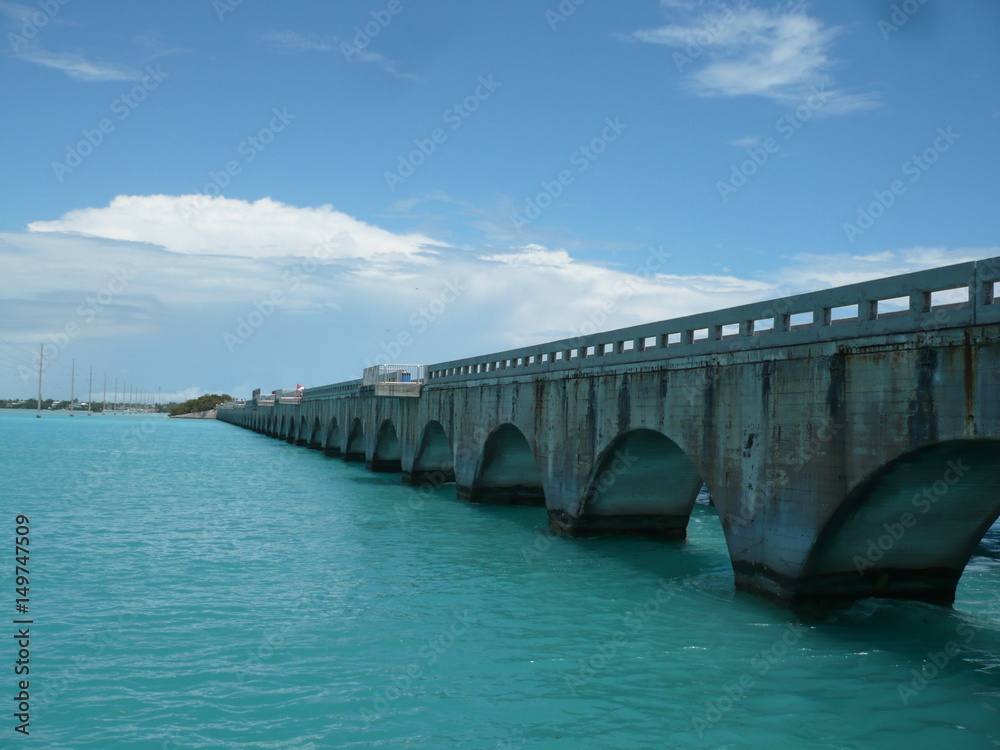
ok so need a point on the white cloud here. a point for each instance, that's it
(185, 292)
(78, 67)
(22, 28)
(533, 255)
(780, 53)
(811, 271)
(206, 225)
(389, 66)
(295, 42)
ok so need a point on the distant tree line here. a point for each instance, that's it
(30, 403)
(202, 403)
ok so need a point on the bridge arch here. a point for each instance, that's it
(386, 456)
(355, 448)
(332, 443)
(434, 461)
(282, 428)
(302, 436)
(909, 529)
(507, 472)
(643, 483)
(291, 434)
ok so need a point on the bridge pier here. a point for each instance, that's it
(504, 495)
(931, 585)
(384, 466)
(649, 526)
(429, 477)
(906, 532)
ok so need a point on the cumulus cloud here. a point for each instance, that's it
(246, 297)
(200, 225)
(781, 53)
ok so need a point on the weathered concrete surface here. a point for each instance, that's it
(840, 467)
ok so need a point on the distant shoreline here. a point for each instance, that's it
(210, 414)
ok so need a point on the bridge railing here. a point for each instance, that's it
(393, 374)
(953, 296)
(335, 390)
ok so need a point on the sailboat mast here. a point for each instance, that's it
(90, 393)
(72, 388)
(41, 362)
(104, 395)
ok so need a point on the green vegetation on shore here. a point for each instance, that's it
(202, 403)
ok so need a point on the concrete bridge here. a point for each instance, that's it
(850, 438)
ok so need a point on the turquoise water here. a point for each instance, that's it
(195, 585)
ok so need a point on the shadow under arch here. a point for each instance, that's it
(642, 484)
(291, 435)
(908, 530)
(355, 448)
(314, 438)
(386, 457)
(507, 473)
(332, 445)
(434, 462)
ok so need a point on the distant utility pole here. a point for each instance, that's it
(90, 393)
(72, 388)
(104, 395)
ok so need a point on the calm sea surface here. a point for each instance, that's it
(195, 585)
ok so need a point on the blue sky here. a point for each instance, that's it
(223, 195)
